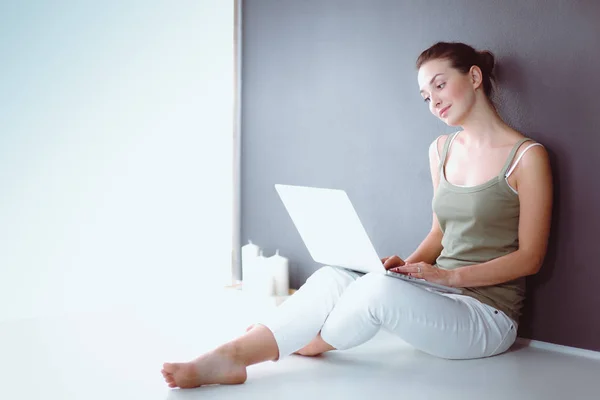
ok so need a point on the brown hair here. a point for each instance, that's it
(462, 57)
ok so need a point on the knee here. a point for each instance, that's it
(324, 273)
(374, 280)
(375, 288)
(372, 287)
(329, 276)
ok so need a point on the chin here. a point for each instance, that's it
(451, 122)
(456, 124)
(454, 120)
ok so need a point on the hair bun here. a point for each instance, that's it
(487, 61)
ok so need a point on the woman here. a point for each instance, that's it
(492, 209)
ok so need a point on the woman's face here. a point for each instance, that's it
(449, 93)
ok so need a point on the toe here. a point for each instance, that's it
(170, 381)
(169, 367)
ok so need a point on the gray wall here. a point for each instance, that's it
(330, 99)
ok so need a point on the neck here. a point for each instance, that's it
(483, 126)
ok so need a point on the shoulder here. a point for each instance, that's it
(531, 154)
(437, 146)
(531, 167)
(528, 151)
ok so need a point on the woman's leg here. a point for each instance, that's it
(298, 320)
(448, 326)
(293, 325)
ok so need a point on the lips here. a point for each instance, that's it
(444, 111)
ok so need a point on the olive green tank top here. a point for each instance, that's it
(480, 223)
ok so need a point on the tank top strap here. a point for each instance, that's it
(511, 156)
(445, 149)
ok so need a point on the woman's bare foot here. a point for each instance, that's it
(316, 347)
(216, 367)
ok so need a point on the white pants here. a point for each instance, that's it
(349, 309)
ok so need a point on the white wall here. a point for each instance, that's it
(116, 124)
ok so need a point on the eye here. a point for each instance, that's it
(441, 85)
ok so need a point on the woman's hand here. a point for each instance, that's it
(422, 270)
(392, 262)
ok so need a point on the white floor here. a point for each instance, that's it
(117, 354)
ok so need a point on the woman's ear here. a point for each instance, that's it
(476, 76)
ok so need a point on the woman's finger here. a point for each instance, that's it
(391, 262)
(411, 268)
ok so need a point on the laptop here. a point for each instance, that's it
(333, 233)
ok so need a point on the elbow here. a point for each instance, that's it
(534, 269)
(533, 262)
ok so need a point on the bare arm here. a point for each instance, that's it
(431, 247)
(534, 184)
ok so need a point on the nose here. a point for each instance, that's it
(435, 101)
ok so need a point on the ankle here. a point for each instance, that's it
(231, 351)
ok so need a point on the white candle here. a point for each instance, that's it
(279, 268)
(264, 278)
(250, 254)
